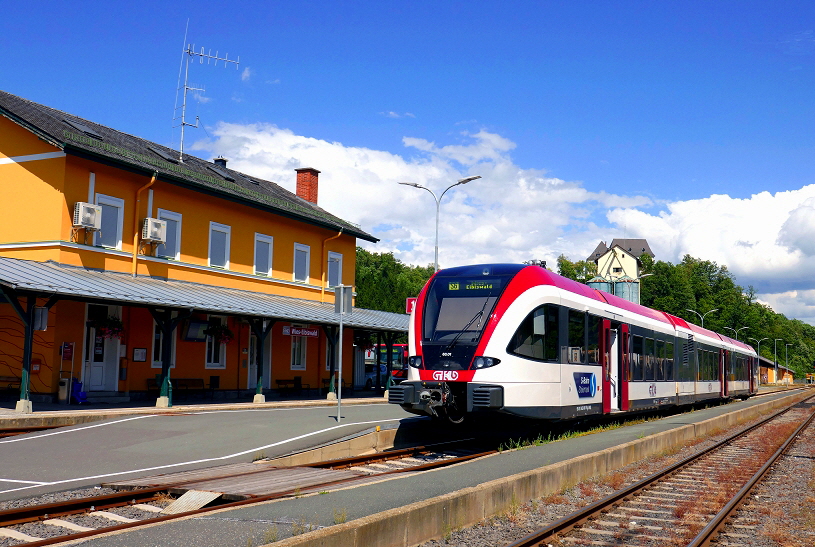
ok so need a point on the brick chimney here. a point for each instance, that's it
(307, 184)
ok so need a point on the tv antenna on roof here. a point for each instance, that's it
(190, 53)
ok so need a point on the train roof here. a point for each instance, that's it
(528, 276)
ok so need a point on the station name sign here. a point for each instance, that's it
(301, 331)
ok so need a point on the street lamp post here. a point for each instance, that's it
(736, 331)
(775, 356)
(438, 204)
(758, 350)
(702, 317)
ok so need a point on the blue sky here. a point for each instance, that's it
(587, 121)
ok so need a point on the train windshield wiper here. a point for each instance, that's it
(478, 314)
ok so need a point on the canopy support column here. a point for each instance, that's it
(390, 338)
(167, 323)
(261, 332)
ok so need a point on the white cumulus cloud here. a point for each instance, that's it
(514, 214)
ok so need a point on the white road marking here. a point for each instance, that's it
(26, 482)
(75, 430)
(203, 460)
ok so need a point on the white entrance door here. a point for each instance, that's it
(101, 354)
(614, 369)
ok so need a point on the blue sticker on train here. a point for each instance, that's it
(586, 383)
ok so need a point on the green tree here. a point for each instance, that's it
(383, 282)
(581, 270)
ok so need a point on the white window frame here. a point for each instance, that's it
(164, 214)
(338, 258)
(221, 363)
(102, 199)
(299, 343)
(266, 272)
(307, 249)
(223, 228)
(155, 360)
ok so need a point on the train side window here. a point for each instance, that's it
(536, 337)
(595, 323)
(649, 359)
(550, 339)
(577, 337)
(659, 359)
(636, 358)
(669, 361)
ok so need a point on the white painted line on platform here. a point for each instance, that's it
(25, 482)
(75, 430)
(204, 460)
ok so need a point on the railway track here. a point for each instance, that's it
(216, 487)
(688, 503)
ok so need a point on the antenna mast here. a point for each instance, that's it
(190, 54)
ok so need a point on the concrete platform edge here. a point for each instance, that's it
(434, 518)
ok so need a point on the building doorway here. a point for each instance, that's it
(101, 355)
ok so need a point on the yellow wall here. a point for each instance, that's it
(29, 188)
(38, 199)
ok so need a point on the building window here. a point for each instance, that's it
(216, 353)
(298, 351)
(110, 234)
(172, 247)
(263, 255)
(158, 344)
(618, 270)
(301, 261)
(219, 245)
(334, 269)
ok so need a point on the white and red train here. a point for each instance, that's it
(524, 341)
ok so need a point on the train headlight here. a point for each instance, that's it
(485, 362)
(415, 361)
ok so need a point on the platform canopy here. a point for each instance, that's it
(49, 279)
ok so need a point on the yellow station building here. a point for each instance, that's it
(123, 264)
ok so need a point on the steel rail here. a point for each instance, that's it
(86, 503)
(580, 517)
(709, 532)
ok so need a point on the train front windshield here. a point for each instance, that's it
(457, 308)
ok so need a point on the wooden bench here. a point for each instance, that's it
(291, 385)
(182, 387)
(9, 384)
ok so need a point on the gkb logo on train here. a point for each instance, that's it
(586, 384)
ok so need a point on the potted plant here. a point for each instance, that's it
(109, 327)
(220, 333)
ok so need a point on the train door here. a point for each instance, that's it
(609, 356)
(752, 373)
(625, 355)
(614, 368)
(722, 373)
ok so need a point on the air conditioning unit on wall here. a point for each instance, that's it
(88, 216)
(154, 230)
